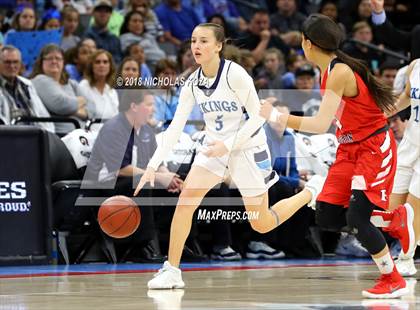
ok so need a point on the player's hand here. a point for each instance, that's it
(265, 35)
(176, 185)
(216, 149)
(377, 6)
(148, 176)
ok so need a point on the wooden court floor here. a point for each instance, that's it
(283, 286)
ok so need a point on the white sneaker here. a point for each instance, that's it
(348, 245)
(406, 267)
(258, 250)
(168, 277)
(314, 185)
(225, 254)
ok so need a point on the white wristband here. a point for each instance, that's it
(274, 115)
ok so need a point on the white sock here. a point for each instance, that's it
(385, 263)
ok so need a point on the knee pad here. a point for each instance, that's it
(360, 210)
(330, 217)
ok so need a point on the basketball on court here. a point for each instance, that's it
(119, 216)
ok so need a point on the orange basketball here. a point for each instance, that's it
(119, 216)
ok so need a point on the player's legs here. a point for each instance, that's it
(415, 204)
(390, 284)
(199, 181)
(269, 218)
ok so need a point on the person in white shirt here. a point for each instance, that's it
(97, 86)
(235, 146)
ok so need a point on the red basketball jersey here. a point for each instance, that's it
(357, 117)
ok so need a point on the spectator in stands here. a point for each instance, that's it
(356, 11)
(287, 22)
(137, 52)
(258, 37)
(178, 21)
(133, 31)
(247, 61)
(185, 60)
(82, 6)
(18, 96)
(77, 58)
(362, 31)
(399, 122)
(388, 71)
(24, 20)
(99, 32)
(232, 52)
(50, 20)
(129, 69)
(226, 8)
(393, 37)
(293, 62)
(60, 95)
(270, 77)
(151, 21)
(70, 17)
(329, 8)
(167, 97)
(112, 161)
(305, 98)
(98, 85)
(230, 32)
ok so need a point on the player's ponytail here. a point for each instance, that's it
(219, 34)
(324, 33)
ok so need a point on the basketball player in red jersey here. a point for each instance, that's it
(362, 176)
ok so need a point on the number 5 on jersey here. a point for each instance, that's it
(219, 122)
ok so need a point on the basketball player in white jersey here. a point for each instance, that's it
(236, 147)
(407, 178)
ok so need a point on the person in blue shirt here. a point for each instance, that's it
(178, 21)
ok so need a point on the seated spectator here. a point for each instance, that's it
(99, 32)
(230, 32)
(388, 71)
(352, 12)
(247, 61)
(24, 20)
(287, 22)
(185, 60)
(70, 19)
(167, 97)
(137, 52)
(77, 59)
(97, 87)
(258, 37)
(128, 69)
(151, 21)
(90, 44)
(121, 152)
(362, 31)
(270, 77)
(399, 122)
(329, 8)
(18, 96)
(177, 20)
(50, 20)
(60, 95)
(293, 62)
(133, 31)
(82, 6)
(305, 98)
(227, 9)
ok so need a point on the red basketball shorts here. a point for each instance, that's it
(368, 165)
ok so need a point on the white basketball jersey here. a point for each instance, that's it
(223, 110)
(230, 107)
(412, 131)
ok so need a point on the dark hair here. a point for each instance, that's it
(15, 22)
(219, 33)
(163, 64)
(124, 61)
(324, 33)
(124, 26)
(128, 96)
(90, 75)
(47, 49)
(388, 65)
(183, 49)
(67, 10)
